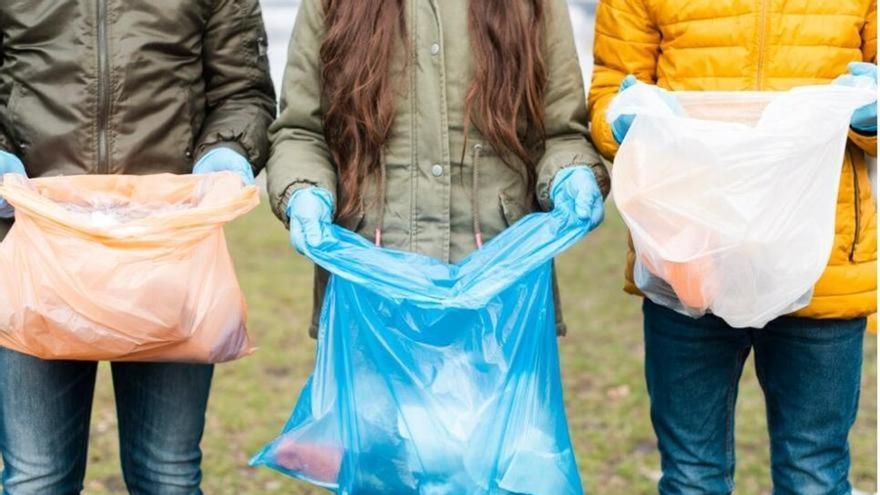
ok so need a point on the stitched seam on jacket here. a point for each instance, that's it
(618, 38)
(111, 134)
(414, 175)
(796, 45)
(706, 19)
(782, 14)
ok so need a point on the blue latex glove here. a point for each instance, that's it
(9, 164)
(577, 187)
(225, 159)
(621, 125)
(309, 211)
(862, 75)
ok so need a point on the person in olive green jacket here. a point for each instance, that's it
(122, 87)
(430, 126)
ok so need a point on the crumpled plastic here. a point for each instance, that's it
(732, 206)
(123, 268)
(433, 378)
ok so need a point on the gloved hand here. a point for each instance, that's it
(309, 211)
(577, 187)
(621, 125)
(862, 75)
(225, 159)
(9, 164)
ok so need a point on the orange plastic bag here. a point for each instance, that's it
(123, 268)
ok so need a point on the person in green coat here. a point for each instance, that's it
(430, 126)
(125, 87)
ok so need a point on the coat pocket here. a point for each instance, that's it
(257, 44)
(193, 126)
(501, 190)
(16, 126)
(512, 209)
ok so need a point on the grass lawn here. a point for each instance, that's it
(602, 362)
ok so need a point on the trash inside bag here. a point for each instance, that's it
(433, 378)
(731, 207)
(123, 268)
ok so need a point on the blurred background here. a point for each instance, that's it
(602, 358)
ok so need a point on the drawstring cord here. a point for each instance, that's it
(475, 203)
(475, 200)
(382, 187)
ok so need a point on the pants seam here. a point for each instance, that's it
(730, 446)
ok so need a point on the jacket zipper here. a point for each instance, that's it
(762, 41)
(856, 208)
(103, 88)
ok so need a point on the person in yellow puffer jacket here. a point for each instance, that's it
(808, 363)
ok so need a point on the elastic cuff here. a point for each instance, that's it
(234, 146)
(545, 192)
(603, 178)
(866, 142)
(281, 206)
(864, 132)
(205, 148)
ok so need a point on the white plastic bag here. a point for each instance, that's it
(732, 206)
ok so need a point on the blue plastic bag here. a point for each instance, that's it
(436, 379)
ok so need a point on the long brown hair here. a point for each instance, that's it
(505, 100)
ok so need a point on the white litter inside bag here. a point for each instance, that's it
(112, 209)
(104, 214)
(732, 206)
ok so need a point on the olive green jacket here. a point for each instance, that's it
(132, 86)
(430, 201)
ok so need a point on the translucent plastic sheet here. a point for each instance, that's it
(434, 378)
(732, 206)
(123, 268)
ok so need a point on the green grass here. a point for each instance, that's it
(602, 361)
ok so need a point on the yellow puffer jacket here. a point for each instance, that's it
(747, 45)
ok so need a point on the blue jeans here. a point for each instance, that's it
(809, 370)
(45, 407)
